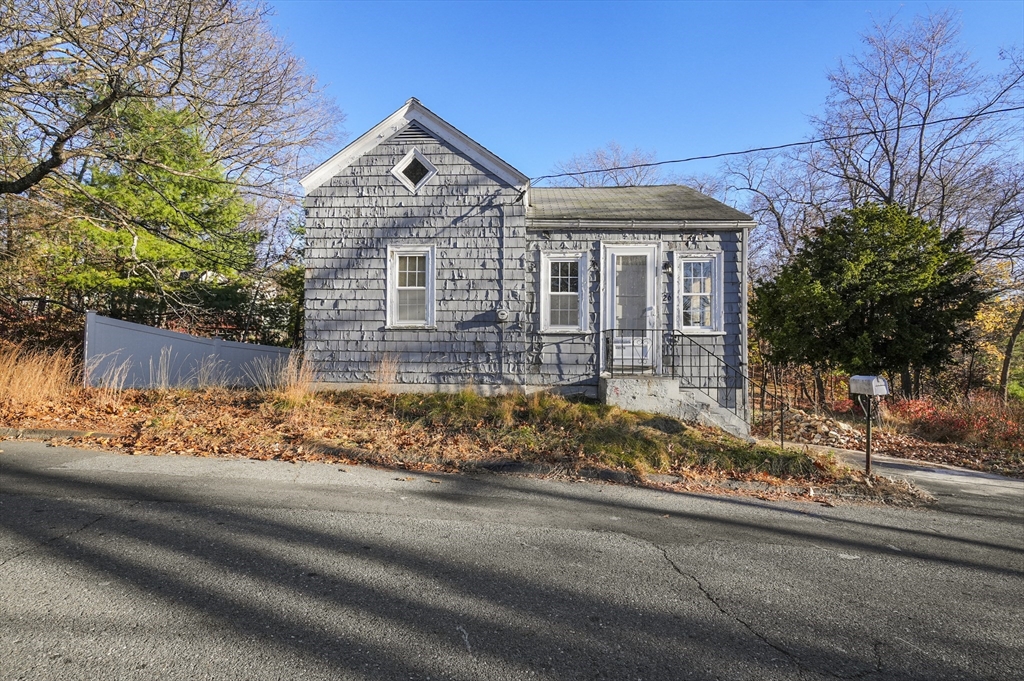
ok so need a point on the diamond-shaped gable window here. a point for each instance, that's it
(414, 170)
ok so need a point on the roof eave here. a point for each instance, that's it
(653, 225)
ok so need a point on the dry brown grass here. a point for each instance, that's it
(108, 392)
(290, 381)
(386, 373)
(295, 384)
(440, 432)
(29, 377)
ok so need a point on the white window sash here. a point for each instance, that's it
(392, 300)
(715, 296)
(546, 260)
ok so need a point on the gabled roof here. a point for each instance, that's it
(413, 111)
(660, 203)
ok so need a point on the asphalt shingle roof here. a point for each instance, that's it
(654, 203)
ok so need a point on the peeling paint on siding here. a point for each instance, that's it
(485, 260)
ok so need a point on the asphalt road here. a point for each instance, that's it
(119, 567)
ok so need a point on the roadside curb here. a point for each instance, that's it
(547, 470)
(543, 469)
(49, 433)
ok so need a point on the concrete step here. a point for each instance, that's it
(662, 395)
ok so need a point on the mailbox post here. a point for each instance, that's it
(870, 386)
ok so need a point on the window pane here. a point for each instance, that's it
(696, 310)
(697, 277)
(412, 305)
(697, 292)
(705, 311)
(565, 310)
(412, 270)
(411, 285)
(415, 171)
(565, 277)
(631, 292)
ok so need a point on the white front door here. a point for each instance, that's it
(629, 316)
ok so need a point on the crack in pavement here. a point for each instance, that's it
(876, 653)
(36, 547)
(707, 594)
(714, 601)
(746, 625)
(51, 540)
(796, 660)
(465, 638)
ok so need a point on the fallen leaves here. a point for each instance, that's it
(351, 429)
(990, 460)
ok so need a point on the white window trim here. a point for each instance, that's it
(548, 257)
(392, 282)
(717, 260)
(406, 182)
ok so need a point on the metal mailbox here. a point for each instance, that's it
(869, 385)
(872, 386)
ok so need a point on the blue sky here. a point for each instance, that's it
(537, 82)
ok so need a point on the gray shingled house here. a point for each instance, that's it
(433, 263)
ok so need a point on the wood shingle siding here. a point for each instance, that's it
(462, 212)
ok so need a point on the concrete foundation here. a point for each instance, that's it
(662, 395)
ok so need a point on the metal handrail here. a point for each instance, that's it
(628, 352)
(779, 404)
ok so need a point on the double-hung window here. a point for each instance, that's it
(410, 286)
(698, 292)
(563, 294)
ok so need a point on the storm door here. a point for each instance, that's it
(630, 317)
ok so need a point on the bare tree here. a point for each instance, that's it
(993, 214)
(930, 144)
(710, 184)
(910, 120)
(66, 66)
(787, 197)
(609, 166)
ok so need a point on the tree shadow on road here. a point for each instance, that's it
(363, 600)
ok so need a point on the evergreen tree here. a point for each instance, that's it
(162, 232)
(876, 291)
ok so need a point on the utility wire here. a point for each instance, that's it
(835, 138)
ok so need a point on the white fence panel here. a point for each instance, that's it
(123, 354)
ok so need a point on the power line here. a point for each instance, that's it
(790, 145)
